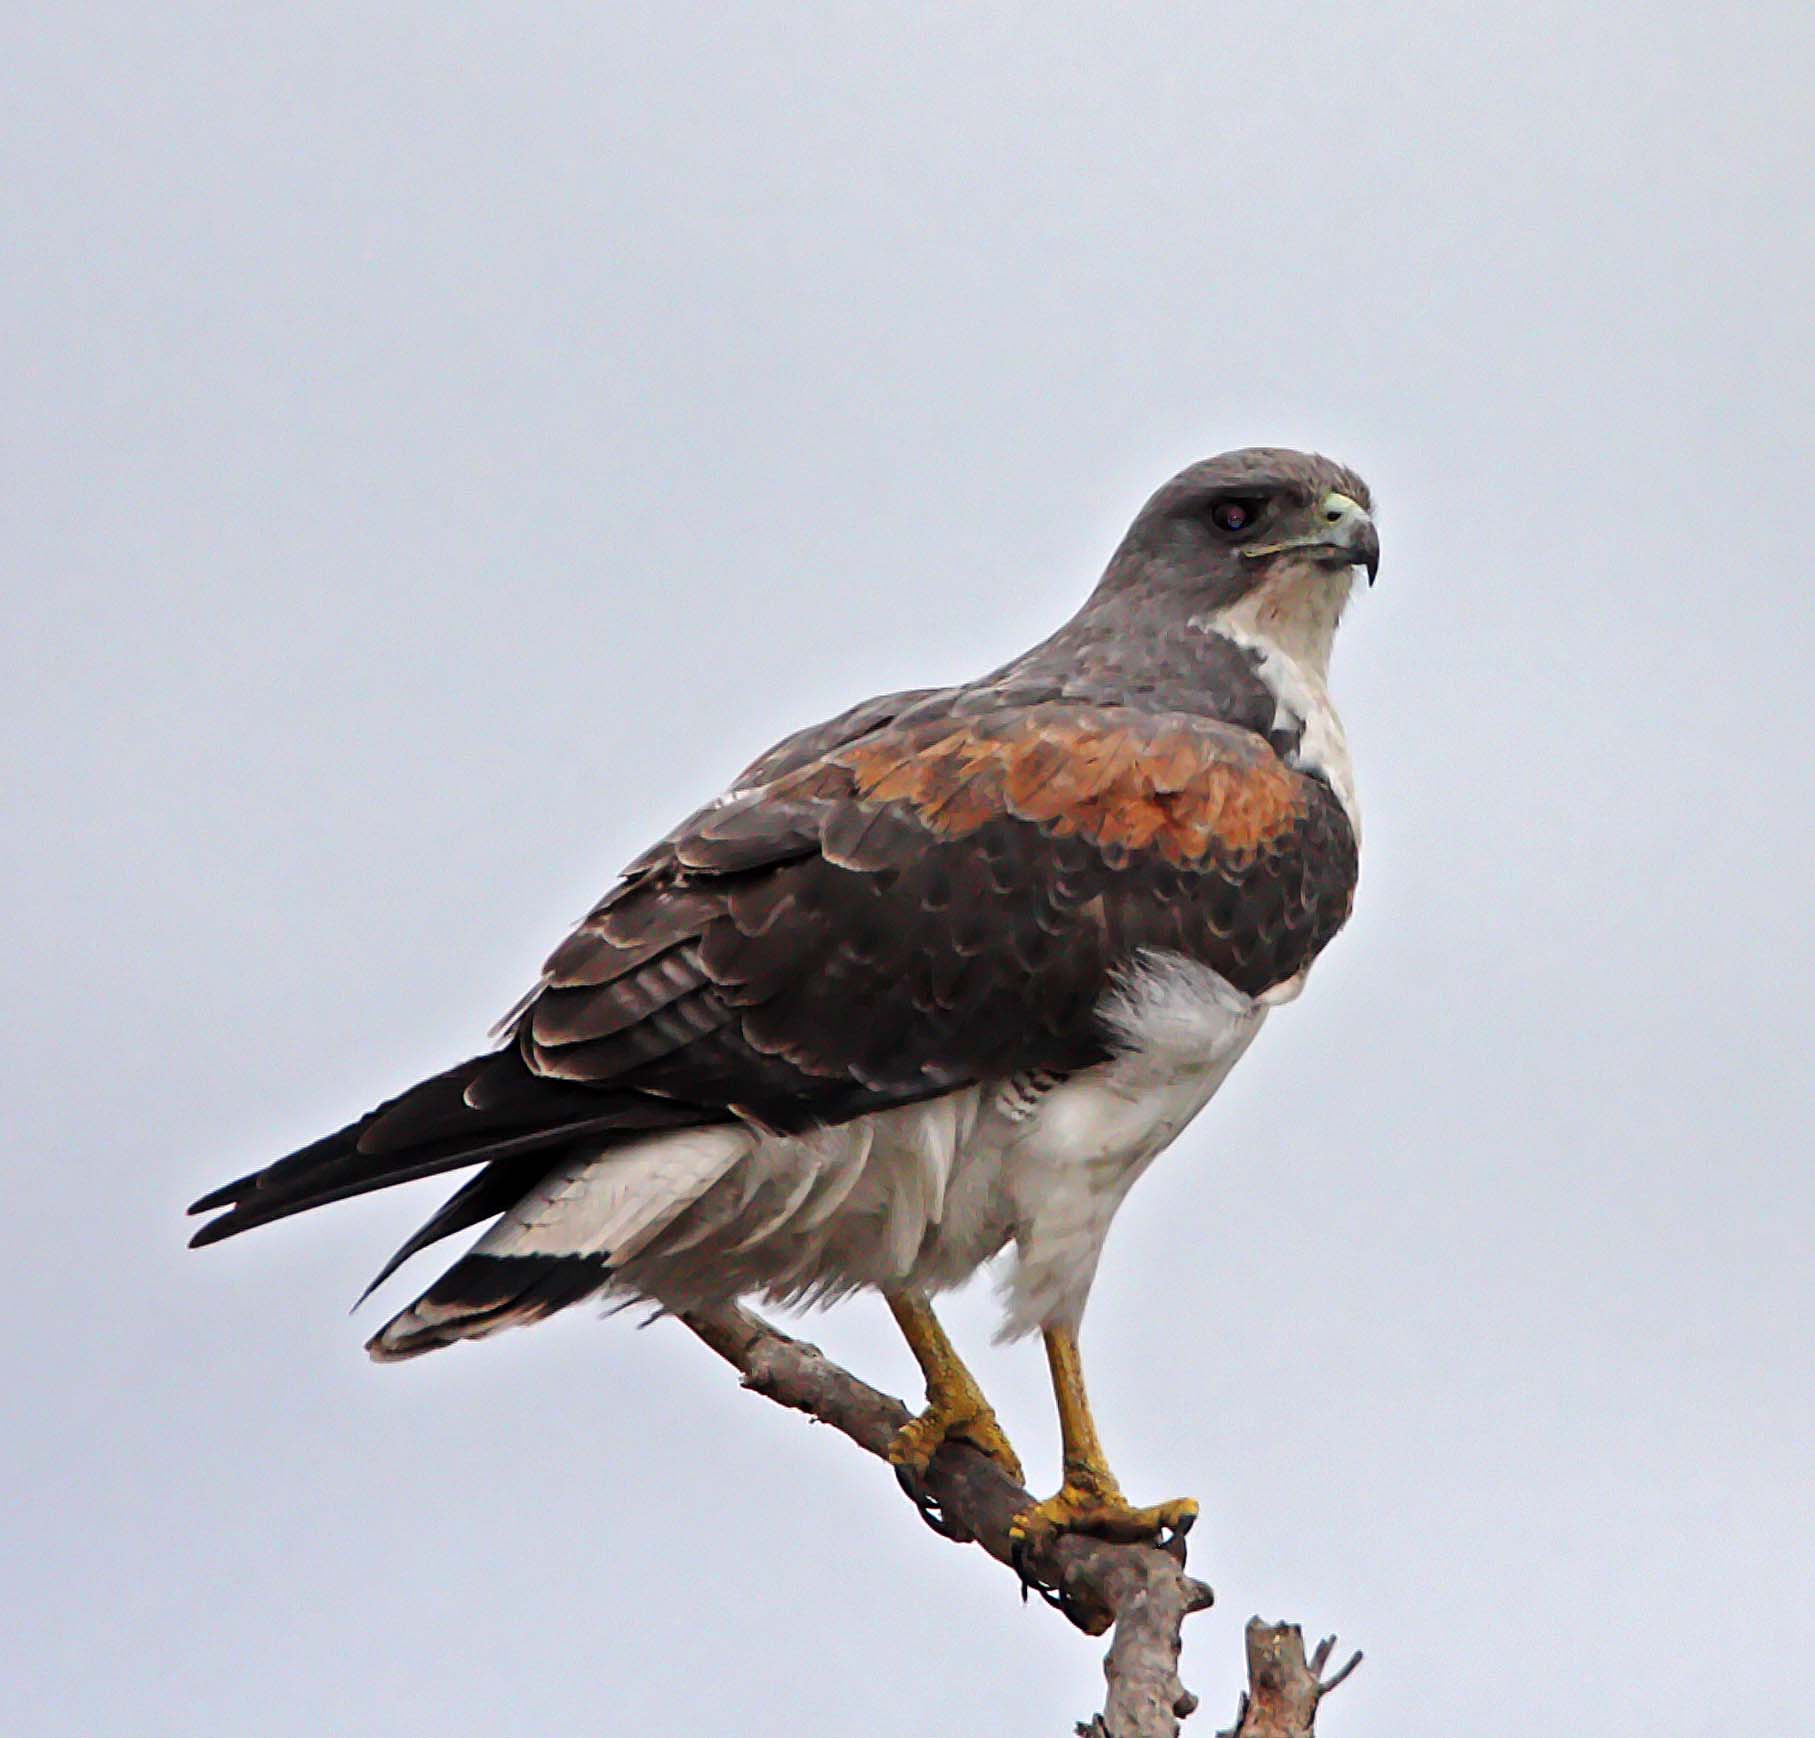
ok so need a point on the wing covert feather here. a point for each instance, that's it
(938, 899)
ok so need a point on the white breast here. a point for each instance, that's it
(1182, 1027)
(1289, 625)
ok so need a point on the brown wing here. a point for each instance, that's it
(916, 897)
(944, 899)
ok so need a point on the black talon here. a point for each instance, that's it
(1172, 1541)
(1017, 1561)
(1018, 1553)
(928, 1506)
(1070, 1610)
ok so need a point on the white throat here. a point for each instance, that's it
(1295, 611)
(1288, 623)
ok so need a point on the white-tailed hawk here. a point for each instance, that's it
(934, 979)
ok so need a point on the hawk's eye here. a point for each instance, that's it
(1237, 515)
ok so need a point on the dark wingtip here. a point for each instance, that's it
(390, 1267)
(227, 1195)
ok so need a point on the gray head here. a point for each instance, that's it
(1225, 526)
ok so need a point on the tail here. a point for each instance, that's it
(564, 1238)
(527, 1132)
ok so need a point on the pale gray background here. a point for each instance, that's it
(443, 442)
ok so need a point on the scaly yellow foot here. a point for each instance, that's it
(955, 1408)
(958, 1413)
(1089, 1501)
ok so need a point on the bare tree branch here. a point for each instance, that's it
(1283, 1687)
(1140, 1591)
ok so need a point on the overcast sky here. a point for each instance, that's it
(442, 443)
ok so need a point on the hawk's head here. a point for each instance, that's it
(1261, 517)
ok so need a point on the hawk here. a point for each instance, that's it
(937, 978)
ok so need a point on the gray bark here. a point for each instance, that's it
(1284, 1687)
(1140, 1592)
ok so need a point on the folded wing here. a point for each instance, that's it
(918, 896)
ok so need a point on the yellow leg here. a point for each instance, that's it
(955, 1407)
(1089, 1500)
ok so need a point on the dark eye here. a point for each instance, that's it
(1237, 515)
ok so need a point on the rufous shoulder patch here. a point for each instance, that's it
(1127, 782)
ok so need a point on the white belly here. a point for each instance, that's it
(916, 1197)
(1090, 1138)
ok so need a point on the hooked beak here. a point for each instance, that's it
(1350, 533)
(1345, 534)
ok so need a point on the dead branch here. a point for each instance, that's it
(1283, 1687)
(1140, 1591)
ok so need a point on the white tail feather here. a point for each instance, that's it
(610, 1204)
